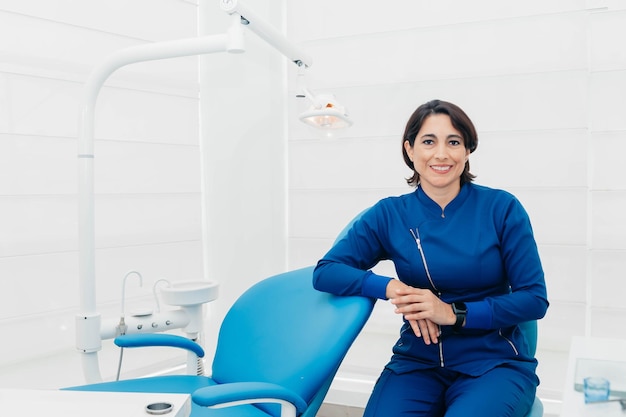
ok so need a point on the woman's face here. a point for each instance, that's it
(438, 155)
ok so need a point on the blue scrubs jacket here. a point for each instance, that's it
(479, 250)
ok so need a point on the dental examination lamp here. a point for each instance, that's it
(325, 113)
(91, 329)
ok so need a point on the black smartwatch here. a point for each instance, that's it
(460, 310)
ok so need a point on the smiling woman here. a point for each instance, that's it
(469, 275)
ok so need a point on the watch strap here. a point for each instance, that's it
(460, 310)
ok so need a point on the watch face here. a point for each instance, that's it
(459, 308)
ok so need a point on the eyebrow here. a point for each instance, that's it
(432, 135)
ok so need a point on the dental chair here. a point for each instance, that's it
(278, 349)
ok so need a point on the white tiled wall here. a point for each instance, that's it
(147, 168)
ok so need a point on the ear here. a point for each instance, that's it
(409, 149)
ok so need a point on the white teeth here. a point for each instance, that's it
(437, 168)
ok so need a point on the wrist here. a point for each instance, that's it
(393, 286)
(459, 309)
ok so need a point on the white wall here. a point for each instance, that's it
(544, 82)
(148, 214)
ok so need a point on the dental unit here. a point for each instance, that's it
(189, 296)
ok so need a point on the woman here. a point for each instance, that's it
(469, 272)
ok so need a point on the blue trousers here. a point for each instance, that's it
(505, 391)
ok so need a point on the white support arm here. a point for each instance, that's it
(267, 32)
(87, 337)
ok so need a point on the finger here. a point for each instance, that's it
(433, 331)
(425, 331)
(410, 290)
(416, 328)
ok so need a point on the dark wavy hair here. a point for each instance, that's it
(460, 121)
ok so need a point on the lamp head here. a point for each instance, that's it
(326, 114)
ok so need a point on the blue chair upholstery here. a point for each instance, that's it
(530, 331)
(281, 339)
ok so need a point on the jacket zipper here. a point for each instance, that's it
(509, 341)
(416, 236)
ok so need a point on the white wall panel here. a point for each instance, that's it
(607, 270)
(558, 216)
(323, 214)
(38, 106)
(140, 167)
(143, 219)
(348, 163)
(565, 268)
(144, 19)
(37, 224)
(136, 115)
(608, 231)
(307, 251)
(330, 19)
(547, 158)
(37, 165)
(607, 97)
(537, 44)
(607, 153)
(605, 52)
(37, 284)
(47, 47)
(608, 323)
(563, 321)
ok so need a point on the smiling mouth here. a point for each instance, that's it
(441, 168)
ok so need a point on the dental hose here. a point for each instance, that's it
(122, 331)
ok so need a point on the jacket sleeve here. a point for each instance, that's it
(345, 269)
(528, 297)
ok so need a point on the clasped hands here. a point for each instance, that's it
(424, 311)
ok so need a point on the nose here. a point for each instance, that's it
(441, 152)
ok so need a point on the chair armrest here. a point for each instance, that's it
(159, 339)
(237, 393)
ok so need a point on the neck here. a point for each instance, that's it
(442, 196)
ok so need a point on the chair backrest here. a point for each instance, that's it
(529, 328)
(347, 227)
(283, 331)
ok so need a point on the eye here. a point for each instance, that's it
(428, 141)
(455, 142)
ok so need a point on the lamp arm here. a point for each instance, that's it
(306, 93)
(266, 32)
